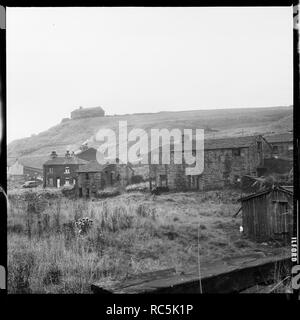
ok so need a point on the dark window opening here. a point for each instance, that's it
(259, 145)
(261, 171)
(275, 149)
(87, 176)
(163, 180)
(236, 152)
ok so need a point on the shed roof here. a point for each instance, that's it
(286, 189)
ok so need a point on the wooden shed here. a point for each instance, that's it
(268, 214)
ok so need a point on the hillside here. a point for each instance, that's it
(71, 134)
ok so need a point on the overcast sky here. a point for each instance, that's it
(144, 60)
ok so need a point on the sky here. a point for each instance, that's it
(131, 60)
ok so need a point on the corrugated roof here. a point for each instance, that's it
(65, 161)
(286, 189)
(280, 137)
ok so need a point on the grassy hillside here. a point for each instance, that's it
(71, 134)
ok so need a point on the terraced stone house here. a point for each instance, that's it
(60, 171)
(226, 160)
(93, 177)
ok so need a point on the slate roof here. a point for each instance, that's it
(92, 166)
(79, 151)
(228, 143)
(280, 137)
(95, 166)
(65, 161)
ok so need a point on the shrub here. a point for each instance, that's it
(20, 271)
(52, 276)
(84, 225)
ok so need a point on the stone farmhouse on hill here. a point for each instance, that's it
(226, 160)
(93, 177)
(61, 170)
(82, 113)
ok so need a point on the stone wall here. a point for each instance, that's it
(113, 175)
(222, 167)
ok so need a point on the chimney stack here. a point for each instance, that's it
(53, 155)
(68, 155)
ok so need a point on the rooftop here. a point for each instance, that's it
(64, 161)
(285, 189)
(228, 143)
(280, 137)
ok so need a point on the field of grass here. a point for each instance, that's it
(131, 233)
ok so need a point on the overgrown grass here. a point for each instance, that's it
(131, 233)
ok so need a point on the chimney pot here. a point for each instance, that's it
(53, 154)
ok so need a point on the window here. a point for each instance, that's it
(50, 170)
(163, 180)
(236, 152)
(67, 170)
(275, 149)
(290, 147)
(87, 176)
(67, 182)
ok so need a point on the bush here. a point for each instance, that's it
(52, 276)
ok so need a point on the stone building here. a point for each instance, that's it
(23, 168)
(225, 162)
(61, 171)
(82, 113)
(282, 145)
(93, 177)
